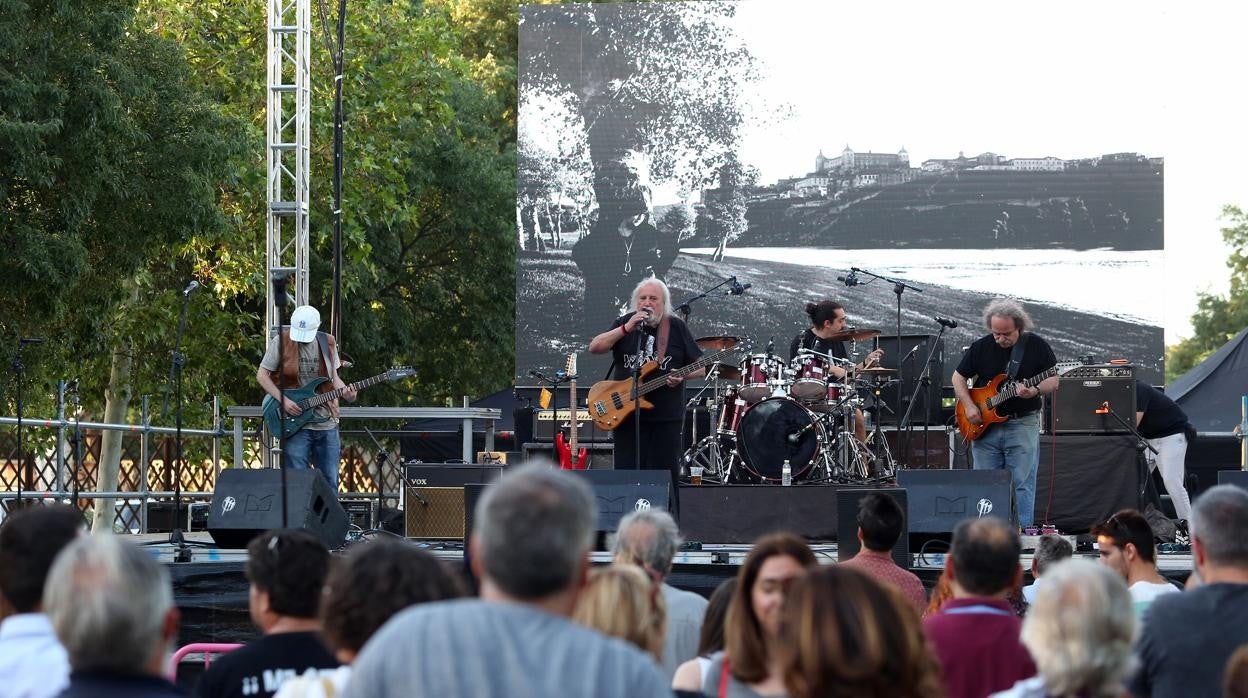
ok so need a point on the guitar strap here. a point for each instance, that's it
(322, 339)
(1016, 356)
(665, 327)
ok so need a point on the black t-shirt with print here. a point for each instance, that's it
(258, 669)
(682, 350)
(985, 360)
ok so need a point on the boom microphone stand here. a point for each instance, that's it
(736, 289)
(280, 276)
(905, 424)
(175, 375)
(19, 374)
(899, 287)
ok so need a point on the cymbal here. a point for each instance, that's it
(717, 343)
(875, 371)
(727, 372)
(855, 334)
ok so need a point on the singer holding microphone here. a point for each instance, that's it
(827, 319)
(651, 331)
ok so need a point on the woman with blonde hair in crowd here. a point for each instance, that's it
(750, 664)
(1080, 632)
(844, 634)
(623, 601)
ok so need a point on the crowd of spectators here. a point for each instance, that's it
(94, 616)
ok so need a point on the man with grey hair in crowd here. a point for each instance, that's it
(650, 539)
(530, 549)
(112, 607)
(1013, 350)
(1051, 549)
(1187, 638)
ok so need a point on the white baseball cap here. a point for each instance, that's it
(303, 323)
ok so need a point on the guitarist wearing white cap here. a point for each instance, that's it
(307, 355)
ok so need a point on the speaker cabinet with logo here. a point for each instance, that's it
(1076, 406)
(248, 502)
(927, 409)
(939, 499)
(1239, 478)
(847, 544)
(433, 498)
(619, 492)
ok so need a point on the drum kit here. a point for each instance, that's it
(765, 411)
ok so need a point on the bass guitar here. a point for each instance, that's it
(610, 402)
(990, 397)
(570, 458)
(306, 397)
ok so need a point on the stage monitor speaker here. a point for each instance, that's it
(247, 502)
(847, 543)
(1239, 478)
(927, 408)
(1074, 406)
(619, 492)
(939, 499)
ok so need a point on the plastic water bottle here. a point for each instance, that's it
(786, 474)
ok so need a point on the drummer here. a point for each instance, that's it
(827, 319)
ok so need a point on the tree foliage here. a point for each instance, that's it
(1217, 318)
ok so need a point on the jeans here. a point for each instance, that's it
(1013, 445)
(321, 446)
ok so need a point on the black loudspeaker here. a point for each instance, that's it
(248, 502)
(1076, 403)
(847, 543)
(619, 492)
(939, 499)
(1239, 478)
(927, 404)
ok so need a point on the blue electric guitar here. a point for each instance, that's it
(306, 397)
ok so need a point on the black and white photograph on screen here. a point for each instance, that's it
(754, 154)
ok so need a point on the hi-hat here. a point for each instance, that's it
(717, 343)
(855, 334)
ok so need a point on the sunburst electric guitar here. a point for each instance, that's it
(570, 457)
(990, 397)
(610, 402)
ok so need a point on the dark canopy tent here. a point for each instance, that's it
(1210, 393)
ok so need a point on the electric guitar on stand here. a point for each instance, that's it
(571, 458)
(989, 397)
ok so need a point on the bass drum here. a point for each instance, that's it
(776, 429)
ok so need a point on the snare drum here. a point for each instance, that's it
(758, 371)
(810, 377)
(830, 400)
(730, 414)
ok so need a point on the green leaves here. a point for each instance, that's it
(1217, 318)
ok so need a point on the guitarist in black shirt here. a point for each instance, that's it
(306, 355)
(1012, 444)
(652, 327)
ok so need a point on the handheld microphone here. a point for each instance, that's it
(947, 323)
(190, 287)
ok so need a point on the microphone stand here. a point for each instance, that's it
(554, 383)
(280, 280)
(19, 374)
(382, 456)
(924, 378)
(175, 375)
(641, 354)
(684, 308)
(899, 287)
(1140, 444)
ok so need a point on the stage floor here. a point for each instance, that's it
(211, 589)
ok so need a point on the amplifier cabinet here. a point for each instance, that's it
(546, 424)
(1076, 403)
(434, 512)
(449, 475)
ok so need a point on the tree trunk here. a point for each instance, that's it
(116, 406)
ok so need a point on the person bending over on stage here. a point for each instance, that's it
(827, 318)
(1012, 445)
(651, 328)
(307, 355)
(1164, 425)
